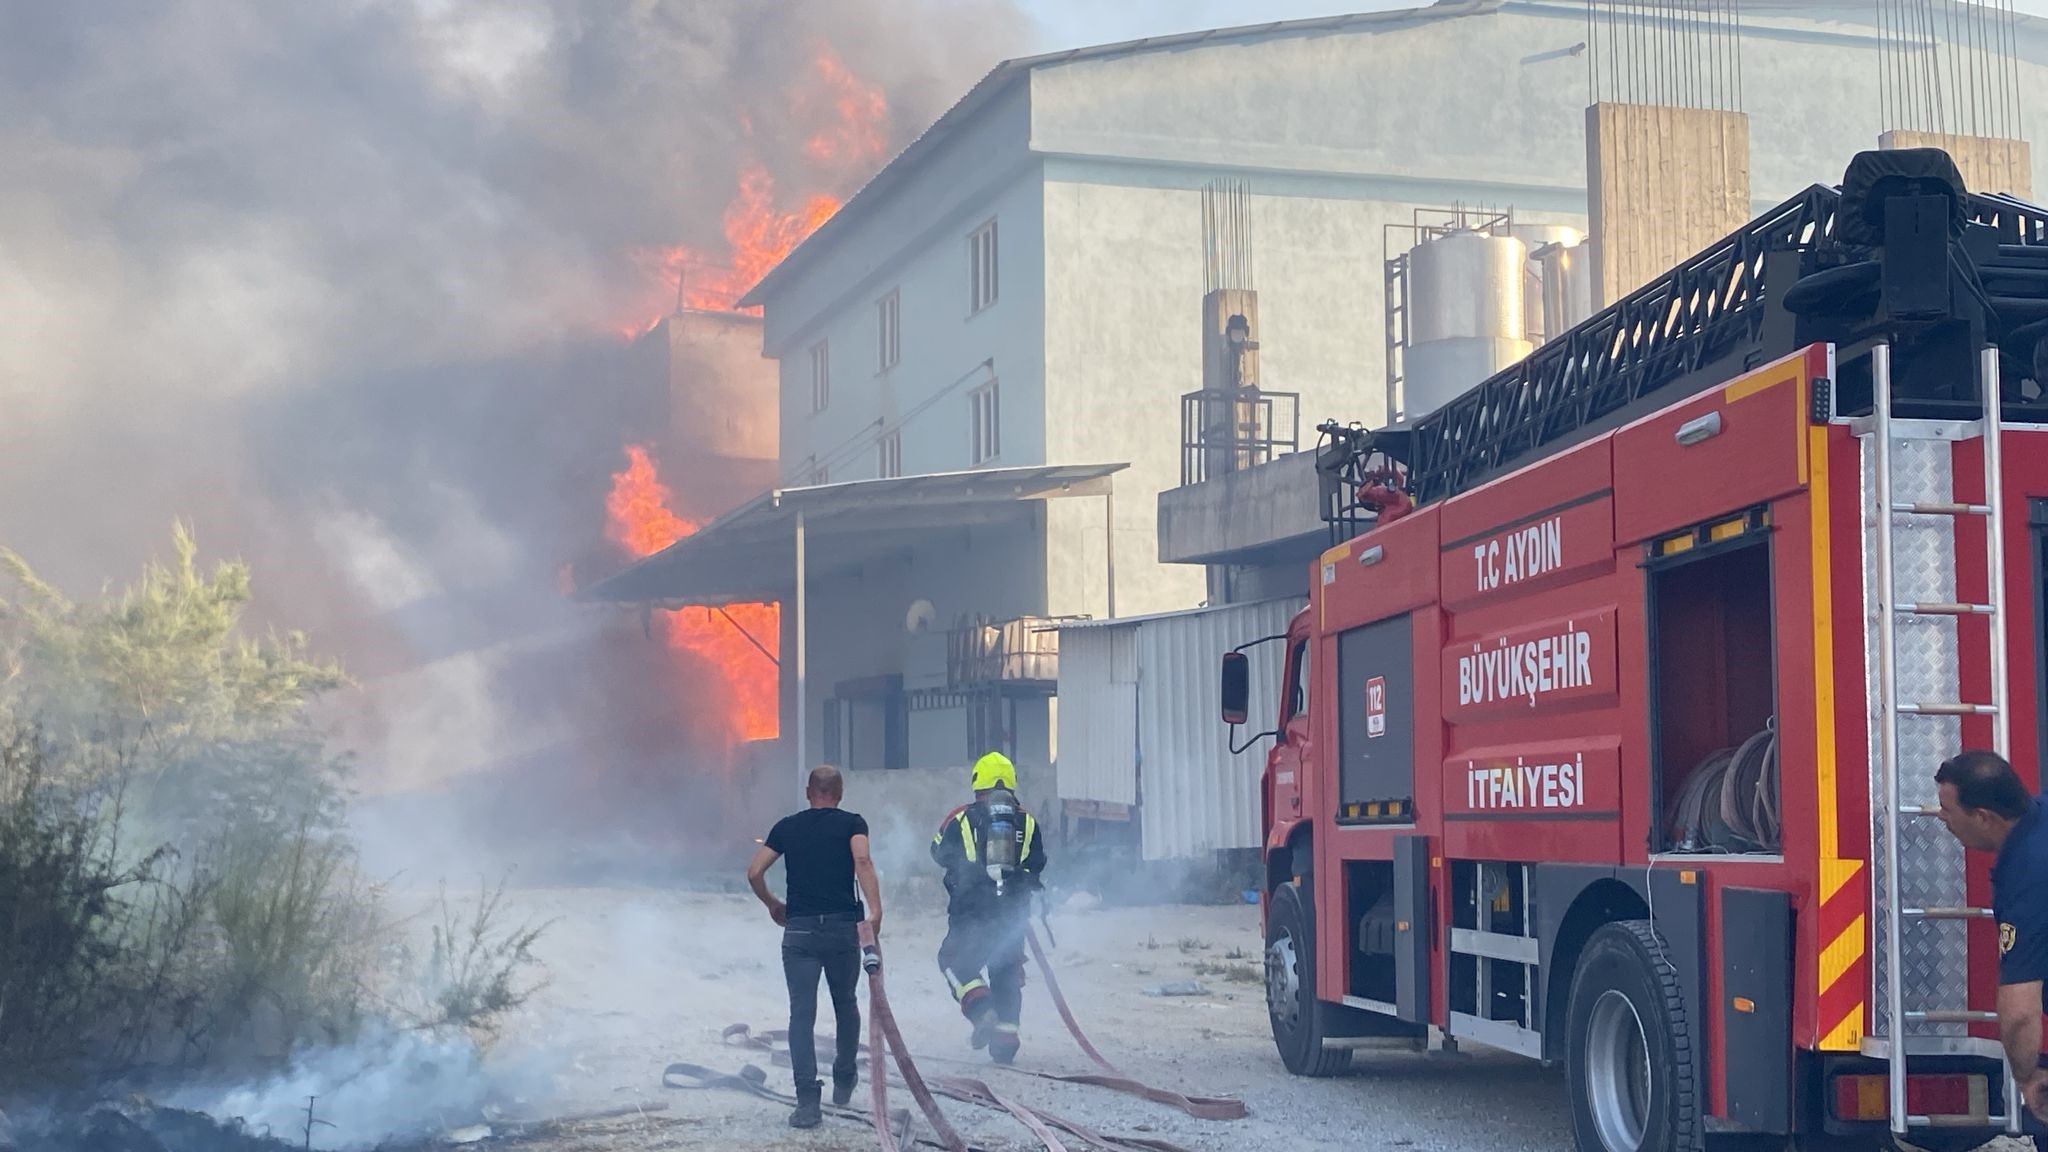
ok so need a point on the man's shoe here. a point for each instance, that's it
(842, 1090)
(807, 1114)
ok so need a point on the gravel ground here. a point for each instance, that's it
(640, 978)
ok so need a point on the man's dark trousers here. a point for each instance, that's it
(831, 945)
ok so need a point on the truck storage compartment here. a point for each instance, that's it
(1369, 888)
(1495, 992)
(1714, 689)
(1376, 723)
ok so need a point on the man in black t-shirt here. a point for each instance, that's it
(825, 855)
(1987, 807)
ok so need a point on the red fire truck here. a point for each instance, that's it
(1607, 735)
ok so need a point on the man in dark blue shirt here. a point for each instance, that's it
(827, 870)
(1987, 807)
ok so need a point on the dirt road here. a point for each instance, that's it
(640, 978)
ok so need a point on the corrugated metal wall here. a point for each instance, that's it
(1198, 798)
(1098, 751)
(1138, 702)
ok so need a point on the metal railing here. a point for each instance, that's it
(1224, 431)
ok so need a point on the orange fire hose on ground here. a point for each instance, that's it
(882, 1027)
(885, 1042)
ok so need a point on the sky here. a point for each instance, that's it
(1077, 23)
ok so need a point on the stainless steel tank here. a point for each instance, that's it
(1437, 372)
(1555, 279)
(1467, 317)
(1467, 285)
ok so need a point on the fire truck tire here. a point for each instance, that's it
(1300, 1022)
(1632, 1057)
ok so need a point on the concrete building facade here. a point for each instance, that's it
(1022, 285)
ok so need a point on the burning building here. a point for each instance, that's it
(1011, 312)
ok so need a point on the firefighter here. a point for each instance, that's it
(993, 855)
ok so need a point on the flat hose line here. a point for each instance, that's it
(884, 1034)
(1199, 1107)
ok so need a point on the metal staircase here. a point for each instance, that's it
(1921, 909)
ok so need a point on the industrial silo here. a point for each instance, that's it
(1467, 316)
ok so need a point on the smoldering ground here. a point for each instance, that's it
(342, 284)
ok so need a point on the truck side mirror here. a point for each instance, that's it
(1237, 687)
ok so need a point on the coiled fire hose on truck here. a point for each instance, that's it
(884, 1034)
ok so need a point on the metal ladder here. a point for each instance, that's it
(1925, 864)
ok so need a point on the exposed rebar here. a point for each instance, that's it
(1226, 236)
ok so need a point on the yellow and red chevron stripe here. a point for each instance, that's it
(1843, 928)
(1844, 958)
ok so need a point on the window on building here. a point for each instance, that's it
(821, 376)
(981, 262)
(888, 313)
(988, 424)
(891, 449)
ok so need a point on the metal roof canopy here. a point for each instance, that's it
(760, 550)
(751, 553)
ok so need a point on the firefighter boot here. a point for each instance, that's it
(979, 1012)
(807, 1114)
(1003, 1044)
(842, 1090)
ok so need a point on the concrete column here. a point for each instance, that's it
(1988, 163)
(803, 704)
(1662, 183)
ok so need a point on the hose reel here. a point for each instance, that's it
(1730, 800)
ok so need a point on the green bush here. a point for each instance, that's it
(175, 883)
(63, 967)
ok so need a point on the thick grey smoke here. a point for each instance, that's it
(341, 284)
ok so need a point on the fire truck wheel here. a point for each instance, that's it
(1298, 1019)
(1634, 1083)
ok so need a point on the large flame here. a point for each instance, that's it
(730, 640)
(850, 117)
(855, 140)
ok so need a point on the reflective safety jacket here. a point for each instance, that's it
(960, 848)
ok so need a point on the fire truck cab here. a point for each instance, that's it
(1607, 736)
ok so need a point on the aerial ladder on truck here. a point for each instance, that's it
(1909, 319)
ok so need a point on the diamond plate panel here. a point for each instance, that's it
(1933, 955)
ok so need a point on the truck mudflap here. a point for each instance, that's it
(1756, 1009)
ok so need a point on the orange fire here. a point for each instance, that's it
(730, 640)
(860, 107)
(757, 237)
(851, 116)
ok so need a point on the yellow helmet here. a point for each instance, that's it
(994, 771)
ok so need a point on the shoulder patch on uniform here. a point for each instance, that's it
(2006, 938)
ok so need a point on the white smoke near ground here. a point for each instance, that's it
(390, 1084)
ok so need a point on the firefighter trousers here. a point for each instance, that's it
(983, 960)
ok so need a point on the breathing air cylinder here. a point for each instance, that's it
(1005, 833)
